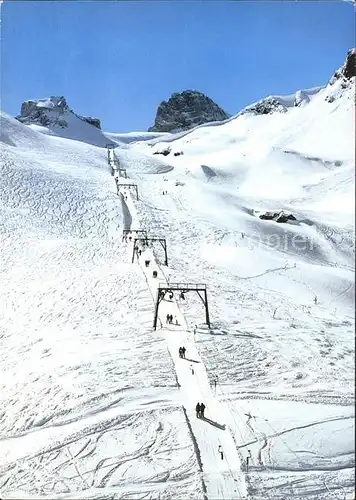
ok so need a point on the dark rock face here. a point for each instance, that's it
(282, 217)
(185, 110)
(44, 112)
(51, 112)
(92, 121)
(278, 216)
(164, 152)
(348, 70)
(266, 107)
(29, 108)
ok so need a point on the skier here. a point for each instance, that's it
(180, 352)
(176, 321)
(171, 318)
(202, 409)
(198, 410)
(182, 296)
(167, 318)
(220, 450)
(183, 352)
(171, 296)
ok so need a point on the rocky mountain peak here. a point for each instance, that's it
(185, 110)
(53, 103)
(52, 112)
(348, 70)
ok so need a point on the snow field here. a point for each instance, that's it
(73, 369)
(321, 330)
(90, 396)
(177, 341)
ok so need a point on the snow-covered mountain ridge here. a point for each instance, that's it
(53, 116)
(342, 82)
(35, 111)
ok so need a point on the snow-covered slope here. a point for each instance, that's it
(268, 105)
(96, 404)
(130, 137)
(304, 157)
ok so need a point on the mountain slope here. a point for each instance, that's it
(100, 405)
(53, 116)
(288, 153)
(127, 138)
(69, 379)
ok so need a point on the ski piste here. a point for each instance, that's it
(95, 402)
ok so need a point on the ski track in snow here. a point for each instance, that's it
(53, 445)
(221, 478)
(185, 339)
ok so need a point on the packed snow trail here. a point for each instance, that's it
(222, 477)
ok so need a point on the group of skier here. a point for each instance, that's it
(200, 409)
(138, 251)
(182, 351)
(169, 319)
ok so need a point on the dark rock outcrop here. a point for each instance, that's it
(266, 107)
(344, 76)
(282, 217)
(164, 151)
(186, 110)
(51, 112)
(92, 121)
(37, 107)
(348, 70)
(278, 216)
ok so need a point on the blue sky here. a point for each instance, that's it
(118, 60)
